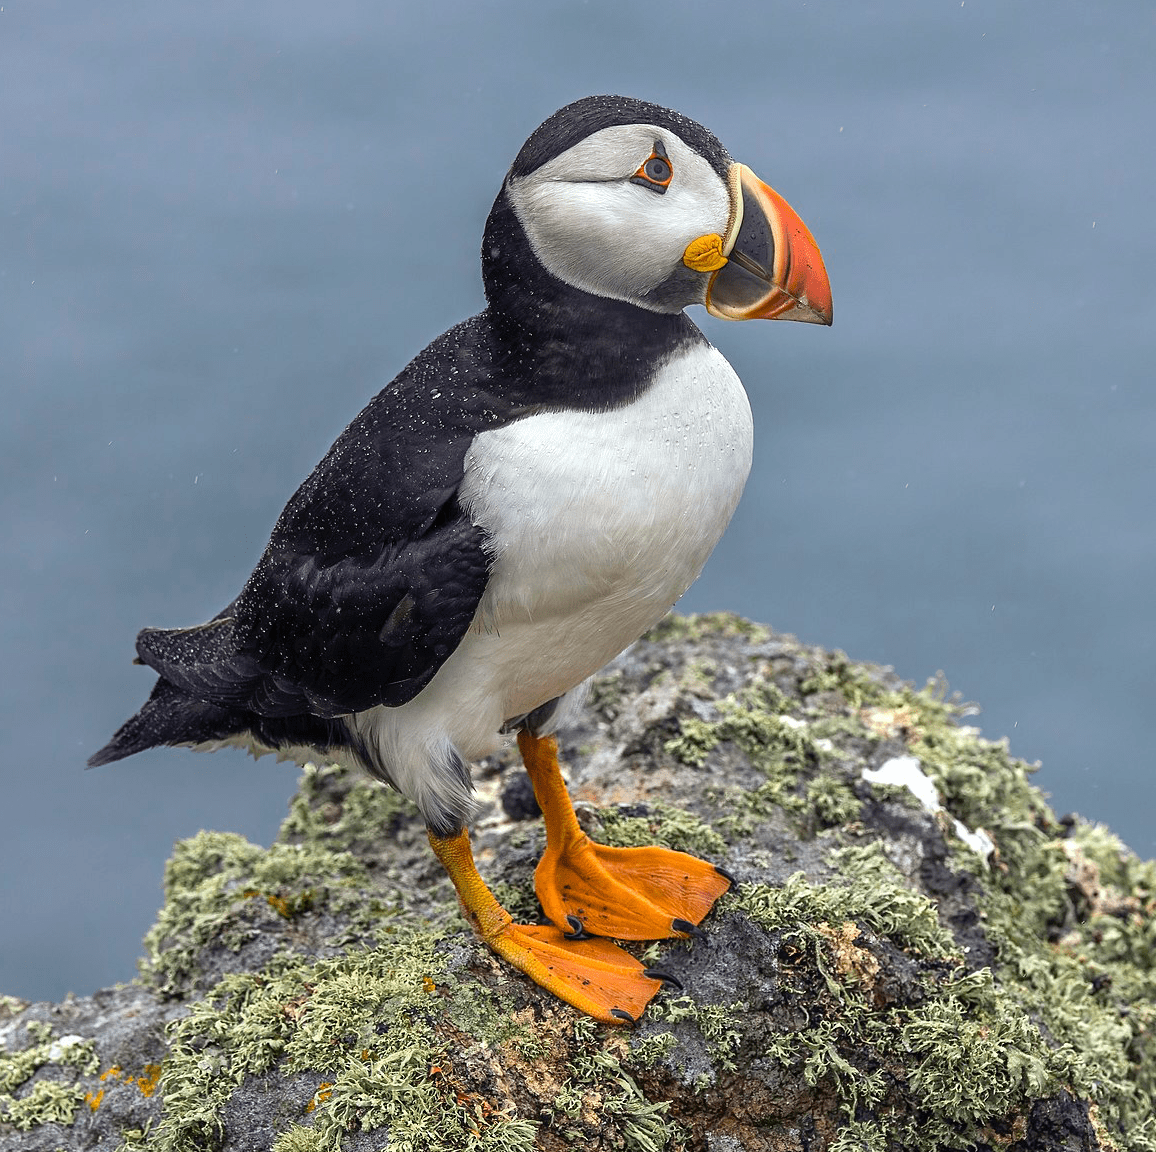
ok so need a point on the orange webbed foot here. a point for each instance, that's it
(595, 976)
(627, 893)
(624, 893)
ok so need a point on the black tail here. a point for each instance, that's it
(170, 717)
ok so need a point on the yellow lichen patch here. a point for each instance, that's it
(428, 984)
(148, 1082)
(289, 907)
(324, 1091)
(93, 1099)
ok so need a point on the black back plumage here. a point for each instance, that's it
(374, 570)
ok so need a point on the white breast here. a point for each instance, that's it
(615, 511)
(599, 521)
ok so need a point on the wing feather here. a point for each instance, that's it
(373, 572)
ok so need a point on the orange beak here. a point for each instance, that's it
(773, 268)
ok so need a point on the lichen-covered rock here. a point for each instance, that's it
(917, 956)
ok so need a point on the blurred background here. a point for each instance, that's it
(224, 226)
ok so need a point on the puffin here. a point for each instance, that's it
(529, 495)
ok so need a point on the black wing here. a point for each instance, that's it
(373, 572)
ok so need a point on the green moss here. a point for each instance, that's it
(134, 1139)
(870, 892)
(857, 684)
(517, 899)
(212, 878)
(47, 1100)
(699, 626)
(299, 1139)
(697, 739)
(860, 1136)
(789, 754)
(650, 1051)
(1073, 921)
(934, 1077)
(753, 720)
(363, 1023)
(1095, 990)
(831, 801)
(663, 825)
(341, 810)
(720, 1026)
(600, 1086)
(10, 1005)
(934, 1065)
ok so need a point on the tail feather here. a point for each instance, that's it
(169, 717)
(202, 661)
(206, 663)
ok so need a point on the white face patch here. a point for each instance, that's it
(596, 230)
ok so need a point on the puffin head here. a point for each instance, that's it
(633, 202)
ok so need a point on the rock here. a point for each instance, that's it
(917, 956)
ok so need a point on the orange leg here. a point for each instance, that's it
(626, 893)
(597, 977)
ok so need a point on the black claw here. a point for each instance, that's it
(621, 1014)
(665, 977)
(729, 877)
(577, 929)
(687, 929)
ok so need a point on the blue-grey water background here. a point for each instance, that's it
(224, 226)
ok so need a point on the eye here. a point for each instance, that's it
(656, 172)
